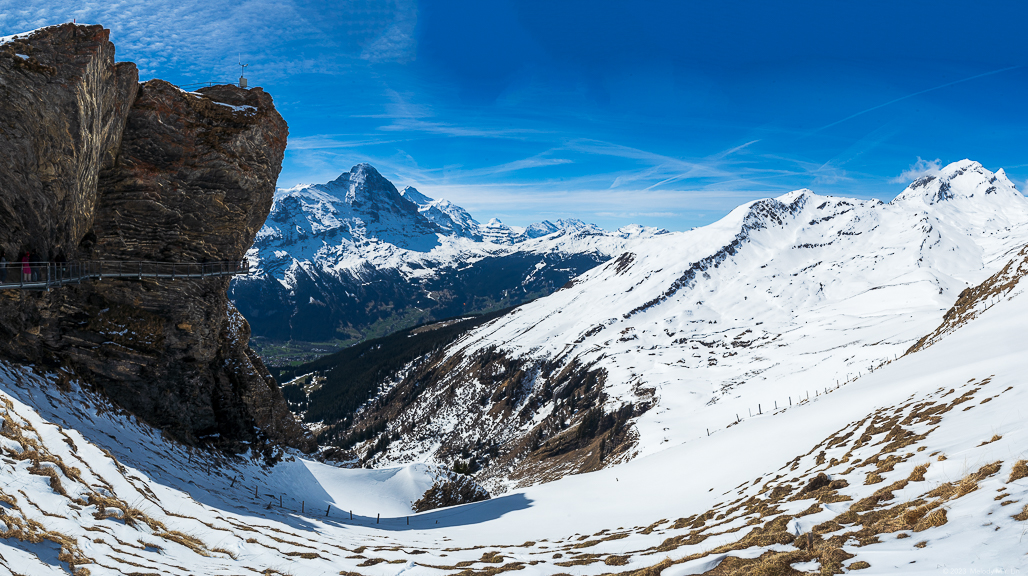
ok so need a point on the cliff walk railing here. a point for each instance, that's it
(47, 275)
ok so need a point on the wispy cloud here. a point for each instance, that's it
(538, 161)
(203, 40)
(396, 43)
(637, 214)
(660, 169)
(448, 129)
(918, 93)
(918, 169)
(334, 141)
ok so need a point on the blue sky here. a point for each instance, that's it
(660, 113)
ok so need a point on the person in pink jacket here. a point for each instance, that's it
(26, 268)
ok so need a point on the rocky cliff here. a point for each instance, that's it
(97, 166)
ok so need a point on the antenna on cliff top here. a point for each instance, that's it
(242, 72)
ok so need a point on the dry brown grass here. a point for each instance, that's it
(491, 570)
(191, 542)
(858, 565)
(935, 518)
(1023, 515)
(967, 484)
(616, 560)
(873, 478)
(921, 544)
(491, 557)
(583, 560)
(917, 475)
(1020, 470)
(28, 530)
(654, 570)
(994, 438)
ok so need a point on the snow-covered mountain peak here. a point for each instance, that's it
(760, 214)
(791, 197)
(417, 198)
(356, 253)
(963, 180)
(640, 231)
(363, 186)
(452, 219)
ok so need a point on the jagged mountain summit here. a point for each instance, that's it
(453, 219)
(691, 331)
(356, 257)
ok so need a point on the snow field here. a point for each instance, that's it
(629, 512)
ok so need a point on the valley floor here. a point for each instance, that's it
(924, 462)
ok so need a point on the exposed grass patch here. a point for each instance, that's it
(1022, 515)
(616, 560)
(1020, 470)
(917, 475)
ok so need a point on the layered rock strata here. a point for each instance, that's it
(105, 168)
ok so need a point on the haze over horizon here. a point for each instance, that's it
(663, 114)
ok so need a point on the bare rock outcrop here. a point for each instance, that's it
(450, 489)
(155, 173)
(64, 106)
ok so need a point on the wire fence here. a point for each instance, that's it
(804, 397)
(47, 275)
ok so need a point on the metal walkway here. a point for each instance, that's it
(47, 275)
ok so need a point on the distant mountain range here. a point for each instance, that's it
(355, 258)
(687, 332)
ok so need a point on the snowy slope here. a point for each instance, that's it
(690, 331)
(355, 257)
(451, 218)
(924, 470)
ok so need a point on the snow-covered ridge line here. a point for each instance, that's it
(782, 295)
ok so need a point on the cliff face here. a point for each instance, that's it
(156, 173)
(64, 105)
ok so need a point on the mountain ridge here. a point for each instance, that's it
(330, 265)
(691, 322)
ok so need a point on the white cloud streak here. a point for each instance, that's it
(918, 169)
(203, 39)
